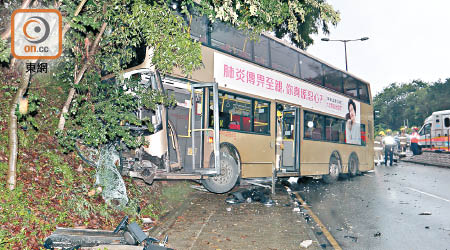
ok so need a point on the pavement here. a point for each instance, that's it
(430, 158)
(206, 221)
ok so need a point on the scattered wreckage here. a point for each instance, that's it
(124, 234)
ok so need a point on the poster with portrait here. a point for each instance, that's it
(352, 125)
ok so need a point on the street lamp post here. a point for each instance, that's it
(345, 45)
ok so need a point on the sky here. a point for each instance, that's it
(408, 40)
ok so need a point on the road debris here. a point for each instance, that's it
(425, 213)
(199, 188)
(147, 220)
(250, 195)
(377, 234)
(354, 238)
(124, 234)
(306, 243)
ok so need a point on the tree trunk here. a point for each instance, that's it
(78, 77)
(13, 141)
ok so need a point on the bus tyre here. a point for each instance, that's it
(229, 175)
(334, 169)
(353, 165)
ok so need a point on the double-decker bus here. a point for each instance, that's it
(256, 109)
(435, 132)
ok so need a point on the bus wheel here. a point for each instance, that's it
(229, 174)
(353, 165)
(334, 169)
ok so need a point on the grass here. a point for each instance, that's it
(175, 194)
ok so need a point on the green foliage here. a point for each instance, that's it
(103, 114)
(4, 51)
(411, 102)
(297, 19)
(152, 25)
(28, 120)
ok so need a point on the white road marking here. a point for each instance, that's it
(368, 175)
(201, 230)
(425, 193)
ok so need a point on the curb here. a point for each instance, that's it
(427, 163)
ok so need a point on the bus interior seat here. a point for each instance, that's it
(317, 134)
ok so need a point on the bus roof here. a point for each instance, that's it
(287, 44)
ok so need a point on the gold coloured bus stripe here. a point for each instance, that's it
(325, 231)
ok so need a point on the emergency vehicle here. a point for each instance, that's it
(435, 132)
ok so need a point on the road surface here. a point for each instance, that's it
(406, 206)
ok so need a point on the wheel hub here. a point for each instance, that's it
(225, 173)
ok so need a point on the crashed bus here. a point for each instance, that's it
(435, 132)
(256, 109)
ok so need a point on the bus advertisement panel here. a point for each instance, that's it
(245, 77)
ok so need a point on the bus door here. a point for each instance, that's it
(190, 139)
(205, 141)
(289, 125)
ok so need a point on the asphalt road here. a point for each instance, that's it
(381, 209)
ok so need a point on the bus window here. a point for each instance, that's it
(284, 59)
(228, 39)
(199, 28)
(262, 51)
(363, 135)
(350, 86)
(333, 130)
(333, 78)
(311, 69)
(289, 125)
(242, 113)
(313, 126)
(261, 116)
(363, 92)
(234, 112)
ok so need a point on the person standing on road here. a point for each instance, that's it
(415, 141)
(378, 148)
(389, 144)
(403, 140)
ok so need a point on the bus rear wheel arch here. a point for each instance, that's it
(353, 165)
(334, 168)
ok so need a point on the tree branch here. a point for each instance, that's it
(79, 76)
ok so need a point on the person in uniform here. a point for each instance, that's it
(415, 141)
(389, 144)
